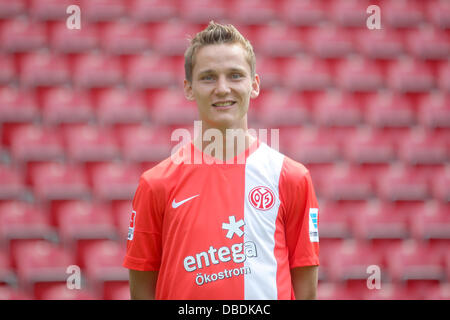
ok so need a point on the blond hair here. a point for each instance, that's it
(216, 33)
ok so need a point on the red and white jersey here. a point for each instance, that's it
(224, 231)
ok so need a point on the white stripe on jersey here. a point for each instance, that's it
(262, 168)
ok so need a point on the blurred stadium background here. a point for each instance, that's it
(84, 112)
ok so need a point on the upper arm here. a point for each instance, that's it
(304, 282)
(143, 284)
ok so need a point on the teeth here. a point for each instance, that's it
(224, 104)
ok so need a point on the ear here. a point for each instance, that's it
(188, 90)
(255, 87)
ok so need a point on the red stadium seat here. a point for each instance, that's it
(150, 71)
(67, 41)
(330, 42)
(16, 107)
(8, 293)
(335, 218)
(410, 76)
(170, 107)
(369, 146)
(21, 36)
(432, 223)
(347, 184)
(252, 12)
(403, 184)
(152, 10)
(103, 261)
(66, 106)
(41, 262)
(10, 9)
(349, 13)
(171, 38)
(381, 44)
(12, 183)
(35, 143)
(439, 13)
(79, 220)
(82, 223)
(359, 75)
(115, 181)
(402, 14)
(62, 292)
(302, 13)
(350, 261)
(144, 144)
(429, 43)
(115, 106)
(381, 221)
(88, 143)
(424, 148)
(103, 10)
(390, 110)
(291, 109)
(7, 69)
(97, 71)
(415, 264)
(54, 181)
(434, 110)
(125, 38)
(199, 11)
(268, 70)
(49, 10)
(306, 74)
(277, 41)
(313, 146)
(22, 221)
(337, 109)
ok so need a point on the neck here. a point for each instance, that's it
(223, 143)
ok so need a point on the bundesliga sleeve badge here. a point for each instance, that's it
(313, 229)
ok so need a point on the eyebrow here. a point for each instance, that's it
(208, 71)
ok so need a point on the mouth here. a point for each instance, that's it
(224, 104)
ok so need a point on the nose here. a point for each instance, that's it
(222, 87)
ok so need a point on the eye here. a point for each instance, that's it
(207, 78)
(236, 76)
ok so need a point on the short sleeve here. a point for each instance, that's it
(145, 230)
(301, 215)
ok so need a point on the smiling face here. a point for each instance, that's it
(222, 86)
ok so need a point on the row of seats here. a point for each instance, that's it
(306, 72)
(273, 108)
(89, 143)
(108, 180)
(396, 13)
(128, 37)
(38, 264)
(384, 222)
(72, 220)
(326, 291)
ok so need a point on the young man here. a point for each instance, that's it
(221, 229)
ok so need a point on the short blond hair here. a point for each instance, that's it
(216, 33)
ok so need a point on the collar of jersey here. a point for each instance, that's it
(201, 155)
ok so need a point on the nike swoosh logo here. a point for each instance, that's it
(177, 204)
